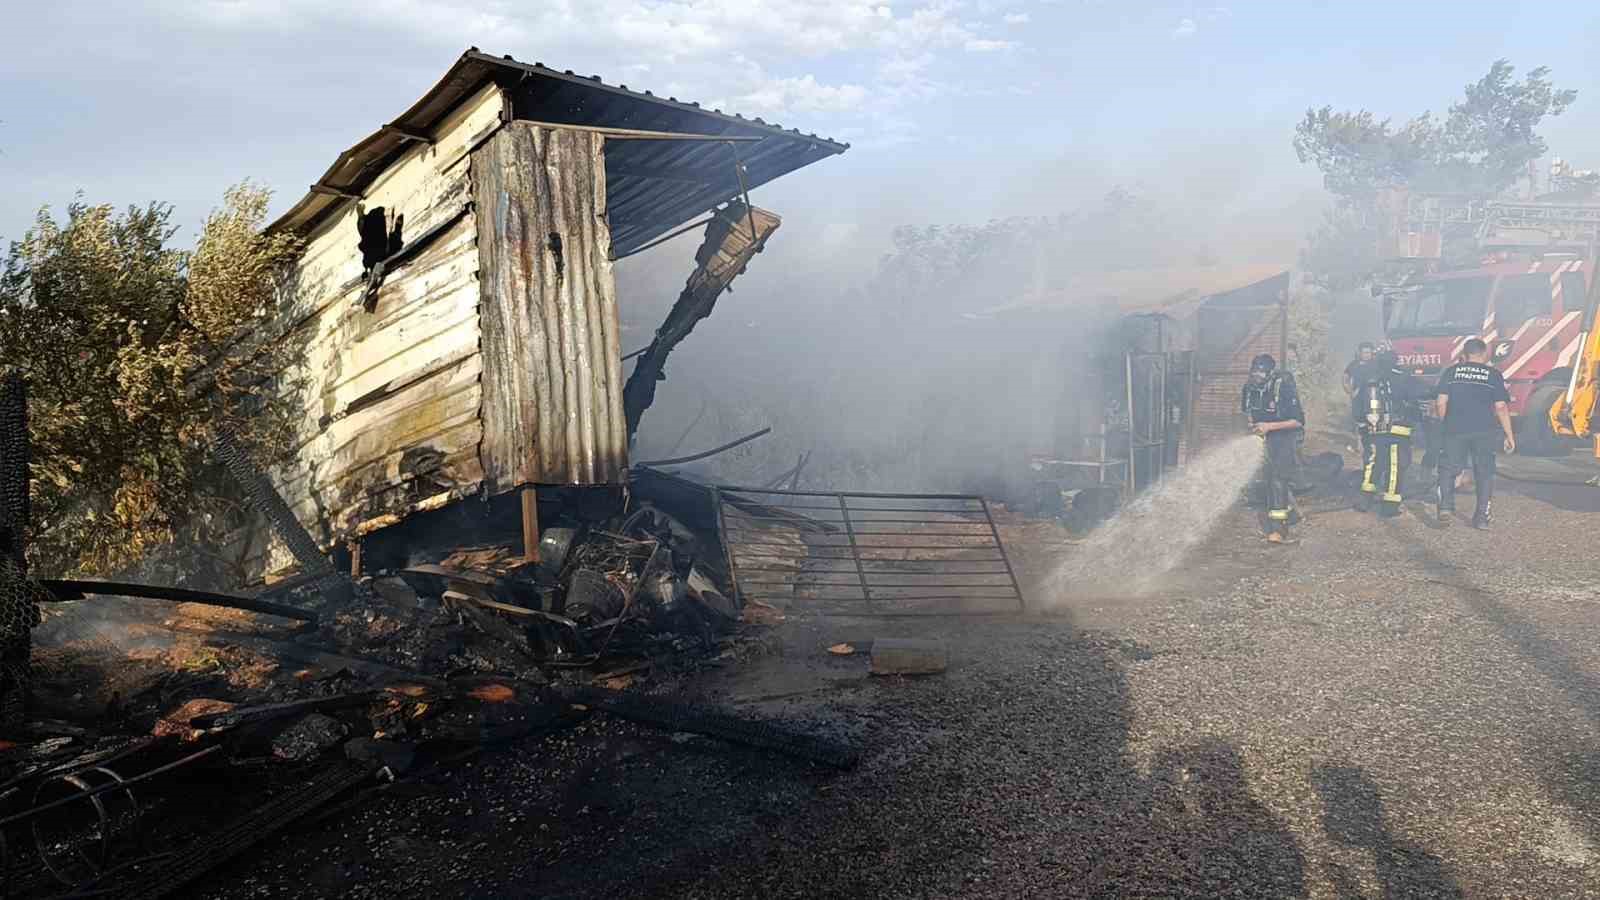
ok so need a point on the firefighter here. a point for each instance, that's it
(1354, 378)
(1272, 404)
(1391, 408)
(1357, 376)
(1474, 406)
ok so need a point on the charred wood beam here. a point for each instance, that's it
(312, 657)
(251, 714)
(64, 590)
(735, 235)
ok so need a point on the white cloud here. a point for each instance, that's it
(802, 94)
(802, 46)
(1021, 18)
(1186, 29)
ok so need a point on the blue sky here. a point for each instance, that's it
(959, 110)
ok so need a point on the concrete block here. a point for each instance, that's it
(906, 656)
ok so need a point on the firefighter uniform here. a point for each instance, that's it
(1270, 396)
(1391, 407)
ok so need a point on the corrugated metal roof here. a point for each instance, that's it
(652, 185)
(1144, 290)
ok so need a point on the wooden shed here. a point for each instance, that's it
(455, 302)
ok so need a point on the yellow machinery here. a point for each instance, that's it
(1573, 414)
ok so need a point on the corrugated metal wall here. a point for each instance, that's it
(1230, 330)
(552, 371)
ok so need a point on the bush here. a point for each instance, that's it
(135, 353)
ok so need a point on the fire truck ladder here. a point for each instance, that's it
(1498, 222)
(1557, 223)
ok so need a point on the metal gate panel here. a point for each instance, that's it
(868, 553)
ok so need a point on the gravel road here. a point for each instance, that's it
(1384, 710)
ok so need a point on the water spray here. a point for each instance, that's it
(1132, 553)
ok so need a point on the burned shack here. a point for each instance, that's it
(1129, 374)
(454, 322)
(455, 306)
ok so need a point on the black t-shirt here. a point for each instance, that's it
(1354, 373)
(1473, 389)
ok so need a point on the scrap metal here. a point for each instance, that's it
(265, 500)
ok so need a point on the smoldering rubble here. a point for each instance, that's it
(172, 729)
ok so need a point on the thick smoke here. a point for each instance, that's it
(860, 335)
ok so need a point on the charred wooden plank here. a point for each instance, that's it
(733, 237)
(67, 589)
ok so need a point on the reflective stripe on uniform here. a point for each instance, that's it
(1392, 498)
(1280, 514)
(1400, 430)
(1394, 473)
(1366, 473)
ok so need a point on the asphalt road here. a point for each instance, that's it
(1384, 710)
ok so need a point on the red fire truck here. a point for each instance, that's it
(1522, 290)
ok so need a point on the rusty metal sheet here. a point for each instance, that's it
(552, 362)
(658, 184)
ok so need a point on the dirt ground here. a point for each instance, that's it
(1383, 710)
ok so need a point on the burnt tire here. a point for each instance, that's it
(1535, 437)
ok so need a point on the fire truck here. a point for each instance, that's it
(1516, 274)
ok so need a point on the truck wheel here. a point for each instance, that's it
(1535, 437)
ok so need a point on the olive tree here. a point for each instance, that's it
(135, 353)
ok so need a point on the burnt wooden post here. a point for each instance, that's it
(530, 523)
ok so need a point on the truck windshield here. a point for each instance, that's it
(1522, 297)
(1449, 307)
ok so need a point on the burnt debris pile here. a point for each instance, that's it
(167, 730)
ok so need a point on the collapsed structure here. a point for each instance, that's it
(455, 302)
(455, 323)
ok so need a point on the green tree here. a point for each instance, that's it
(135, 353)
(1482, 145)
